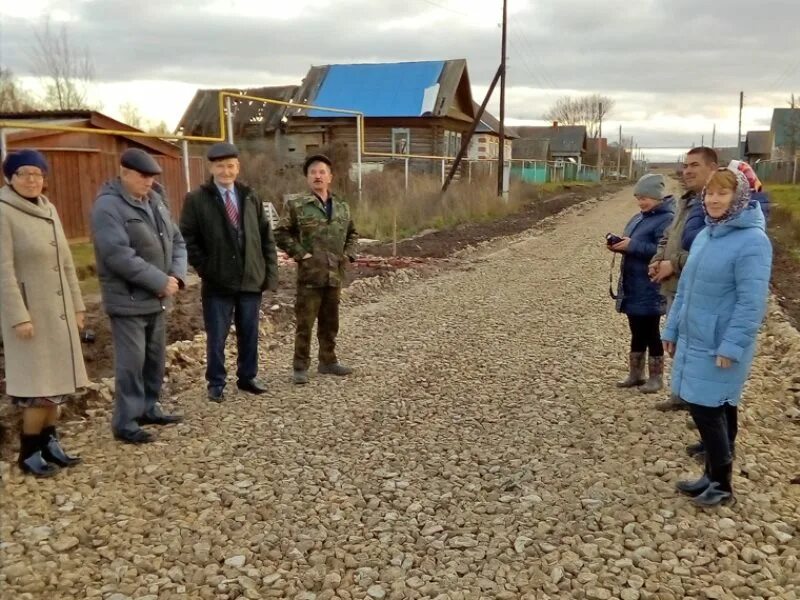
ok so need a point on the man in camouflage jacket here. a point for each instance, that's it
(316, 230)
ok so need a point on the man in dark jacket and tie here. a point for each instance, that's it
(231, 246)
(141, 263)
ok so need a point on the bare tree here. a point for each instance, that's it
(13, 97)
(130, 114)
(160, 128)
(581, 110)
(67, 69)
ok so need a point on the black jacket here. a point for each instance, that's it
(224, 265)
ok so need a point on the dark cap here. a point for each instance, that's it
(221, 151)
(316, 158)
(139, 160)
(23, 158)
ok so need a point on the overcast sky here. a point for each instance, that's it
(674, 67)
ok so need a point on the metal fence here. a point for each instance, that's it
(778, 171)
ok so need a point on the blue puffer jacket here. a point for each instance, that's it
(696, 221)
(721, 302)
(636, 294)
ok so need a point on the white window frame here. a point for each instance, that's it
(400, 134)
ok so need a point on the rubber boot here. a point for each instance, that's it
(52, 450)
(30, 456)
(655, 380)
(635, 377)
(720, 490)
(697, 486)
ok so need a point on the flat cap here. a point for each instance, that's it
(139, 160)
(222, 150)
(316, 158)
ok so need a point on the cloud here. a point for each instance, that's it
(679, 59)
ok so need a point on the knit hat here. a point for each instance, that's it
(650, 186)
(741, 198)
(23, 158)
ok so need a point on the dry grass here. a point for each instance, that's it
(385, 202)
(785, 217)
(424, 206)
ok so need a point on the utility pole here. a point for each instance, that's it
(501, 158)
(466, 139)
(739, 135)
(630, 162)
(600, 141)
(714, 136)
(793, 131)
(703, 140)
(619, 155)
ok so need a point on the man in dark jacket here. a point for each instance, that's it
(141, 263)
(231, 246)
(696, 220)
(670, 257)
(317, 232)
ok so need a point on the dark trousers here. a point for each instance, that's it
(139, 349)
(242, 309)
(718, 427)
(319, 304)
(646, 334)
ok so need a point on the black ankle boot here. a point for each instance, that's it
(30, 456)
(720, 490)
(697, 486)
(52, 450)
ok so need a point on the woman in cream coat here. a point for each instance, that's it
(41, 311)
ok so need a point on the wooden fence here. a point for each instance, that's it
(76, 176)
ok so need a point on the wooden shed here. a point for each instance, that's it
(81, 162)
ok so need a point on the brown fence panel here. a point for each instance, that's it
(64, 183)
(76, 176)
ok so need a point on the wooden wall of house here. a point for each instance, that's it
(427, 134)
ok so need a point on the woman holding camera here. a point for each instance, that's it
(41, 311)
(713, 324)
(637, 296)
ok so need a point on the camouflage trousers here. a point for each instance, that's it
(320, 304)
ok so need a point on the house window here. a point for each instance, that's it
(401, 141)
(452, 143)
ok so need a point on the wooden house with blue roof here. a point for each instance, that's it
(418, 108)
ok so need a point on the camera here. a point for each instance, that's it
(612, 239)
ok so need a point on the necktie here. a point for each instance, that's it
(231, 209)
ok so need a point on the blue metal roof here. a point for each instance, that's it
(377, 90)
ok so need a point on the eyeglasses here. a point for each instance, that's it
(29, 175)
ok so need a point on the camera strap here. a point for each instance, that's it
(611, 292)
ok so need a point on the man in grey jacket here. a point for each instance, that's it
(141, 264)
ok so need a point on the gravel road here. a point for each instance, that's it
(481, 451)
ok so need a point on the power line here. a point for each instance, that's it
(535, 57)
(538, 79)
(447, 8)
(784, 76)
